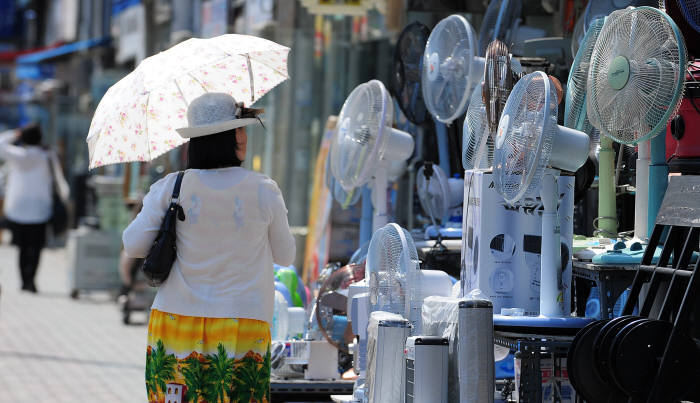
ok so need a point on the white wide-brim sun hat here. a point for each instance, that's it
(213, 113)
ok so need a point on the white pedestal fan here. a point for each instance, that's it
(530, 151)
(365, 144)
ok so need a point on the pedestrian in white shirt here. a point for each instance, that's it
(218, 298)
(28, 196)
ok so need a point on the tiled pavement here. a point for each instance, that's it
(56, 349)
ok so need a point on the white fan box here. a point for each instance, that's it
(501, 244)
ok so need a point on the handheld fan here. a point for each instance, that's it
(576, 118)
(365, 144)
(439, 195)
(530, 150)
(451, 68)
(406, 75)
(502, 21)
(635, 85)
(686, 13)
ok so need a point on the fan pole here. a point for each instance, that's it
(658, 178)
(641, 199)
(551, 301)
(607, 209)
(443, 147)
(379, 186)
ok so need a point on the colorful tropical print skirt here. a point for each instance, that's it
(209, 360)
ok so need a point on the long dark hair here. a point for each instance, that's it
(213, 151)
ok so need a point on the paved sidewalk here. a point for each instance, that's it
(55, 349)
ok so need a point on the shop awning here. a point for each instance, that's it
(44, 55)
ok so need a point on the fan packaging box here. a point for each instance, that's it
(501, 244)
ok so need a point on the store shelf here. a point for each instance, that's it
(611, 281)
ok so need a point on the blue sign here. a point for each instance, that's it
(7, 18)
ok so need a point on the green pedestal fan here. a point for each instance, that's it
(635, 85)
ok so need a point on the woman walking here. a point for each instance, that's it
(209, 329)
(29, 195)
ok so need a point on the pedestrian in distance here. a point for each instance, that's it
(34, 175)
(209, 328)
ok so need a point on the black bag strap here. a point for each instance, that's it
(175, 198)
(176, 189)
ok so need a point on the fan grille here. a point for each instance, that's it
(447, 64)
(498, 81)
(389, 269)
(525, 136)
(644, 46)
(575, 109)
(358, 143)
(477, 144)
(434, 194)
(408, 65)
(492, 28)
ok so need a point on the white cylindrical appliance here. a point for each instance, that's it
(387, 339)
(426, 369)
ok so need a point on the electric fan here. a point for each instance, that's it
(531, 149)
(501, 73)
(365, 144)
(635, 85)
(477, 143)
(451, 68)
(396, 283)
(439, 196)
(575, 117)
(502, 21)
(406, 76)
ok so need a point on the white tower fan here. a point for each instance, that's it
(531, 149)
(635, 86)
(365, 144)
(451, 68)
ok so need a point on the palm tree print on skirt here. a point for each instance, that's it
(207, 360)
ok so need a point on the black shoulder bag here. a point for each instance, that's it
(156, 266)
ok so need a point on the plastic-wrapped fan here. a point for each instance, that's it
(406, 75)
(686, 13)
(530, 150)
(451, 68)
(500, 75)
(331, 304)
(438, 194)
(526, 137)
(575, 106)
(392, 263)
(636, 75)
(477, 143)
(365, 143)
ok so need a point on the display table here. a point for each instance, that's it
(611, 281)
(531, 350)
(283, 390)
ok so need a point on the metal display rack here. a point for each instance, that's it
(611, 281)
(309, 391)
(530, 349)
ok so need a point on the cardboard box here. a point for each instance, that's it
(501, 244)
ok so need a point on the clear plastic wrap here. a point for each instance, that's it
(387, 333)
(440, 318)
(280, 318)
